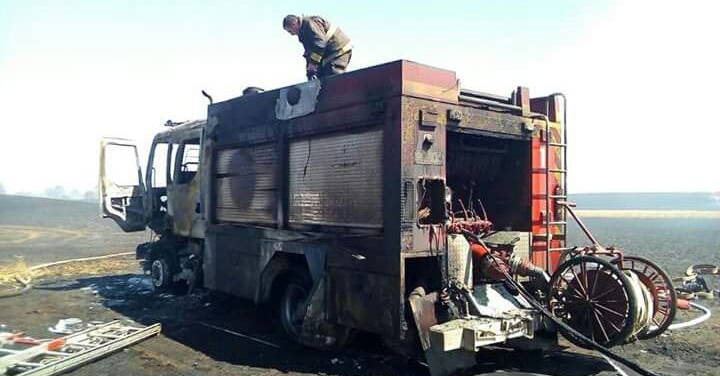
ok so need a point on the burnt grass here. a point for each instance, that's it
(189, 345)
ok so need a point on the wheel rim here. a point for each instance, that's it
(157, 273)
(294, 307)
(660, 286)
(592, 297)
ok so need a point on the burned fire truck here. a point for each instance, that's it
(388, 200)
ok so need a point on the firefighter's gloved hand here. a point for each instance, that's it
(311, 71)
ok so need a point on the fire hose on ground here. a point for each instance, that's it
(26, 281)
(692, 322)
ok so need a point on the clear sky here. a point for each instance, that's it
(641, 76)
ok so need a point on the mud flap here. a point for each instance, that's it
(317, 332)
(440, 363)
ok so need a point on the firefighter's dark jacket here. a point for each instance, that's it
(323, 42)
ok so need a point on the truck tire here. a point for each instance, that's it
(162, 270)
(293, 303)
(160, 273)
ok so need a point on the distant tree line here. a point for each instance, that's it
(58, 192)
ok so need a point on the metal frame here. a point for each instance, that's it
(124, 336)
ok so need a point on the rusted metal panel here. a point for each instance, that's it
(246, 184)
(540, 105)
(424, 81)
(337, 180)
(420, 159)
(522, 99)
(489, 122)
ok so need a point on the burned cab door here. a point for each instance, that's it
(121, 185)
(184, 190)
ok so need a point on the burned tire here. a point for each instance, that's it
(293, 303)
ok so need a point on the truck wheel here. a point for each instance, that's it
(293, 303)
(161, 274)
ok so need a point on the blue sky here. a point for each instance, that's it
(640, 75)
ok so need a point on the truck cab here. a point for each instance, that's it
(166, 200)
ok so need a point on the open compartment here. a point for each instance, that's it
(490, 175)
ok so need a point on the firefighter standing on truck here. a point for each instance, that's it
(327, 48)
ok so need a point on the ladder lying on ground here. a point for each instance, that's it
(62, 354)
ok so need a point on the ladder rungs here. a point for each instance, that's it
(129, 336)
(558, 196)
(555, 223)
(556, 235)
(28, 364)
(557, 170)
(557, 144)
(560, 249)
(81, 345)
(101, 335)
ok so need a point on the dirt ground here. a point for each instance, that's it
(195, 337)
(190, 342)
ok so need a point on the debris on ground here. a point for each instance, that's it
(67, 326)
(693, 286)
(140, 283)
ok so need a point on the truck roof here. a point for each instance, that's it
(181, 131)
(332, 99)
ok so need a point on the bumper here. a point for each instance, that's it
(471, 334)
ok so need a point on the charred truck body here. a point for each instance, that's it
(351, 199)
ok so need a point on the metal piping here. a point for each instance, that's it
(580, 223)
(481, 95)
(487, 102)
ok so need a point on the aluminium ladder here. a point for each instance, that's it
(65, 353)
(549, 219)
